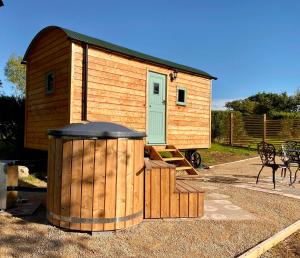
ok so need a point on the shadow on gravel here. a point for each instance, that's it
(211, 179)
(221, 179)
(244, 176)
(21, 238)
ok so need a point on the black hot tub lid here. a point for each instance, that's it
(103, 130)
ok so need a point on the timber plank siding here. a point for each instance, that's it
(50, 52)
(117, 91)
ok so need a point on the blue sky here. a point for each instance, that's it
(250, 46)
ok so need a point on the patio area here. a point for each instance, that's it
(243, 174)
(235, 219)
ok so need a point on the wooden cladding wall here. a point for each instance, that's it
(95, 185)
(167, 198)
(51, 52)
(117, 92)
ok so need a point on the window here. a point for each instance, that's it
(155, 88)
(49, 82)
(181, 96)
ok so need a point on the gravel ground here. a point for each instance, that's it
(32, 237)
(289, 248)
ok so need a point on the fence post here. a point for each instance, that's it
(231, 129)
(265, 127)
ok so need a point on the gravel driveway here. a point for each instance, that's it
(32, 237)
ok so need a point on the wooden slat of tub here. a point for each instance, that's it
(137, 185)
(155, 193)
(99, 183)
(50, 176)
(121, 182)
(76, 182)
(57, 180)
(129, 180)
(141, 179)
(110, 186)
(66, 182)
(174, 197)
(87, 183)
(165, 193)
(184, 205)
(193, 205)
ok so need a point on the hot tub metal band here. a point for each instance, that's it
(94, 220)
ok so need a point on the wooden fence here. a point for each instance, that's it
(247, 131)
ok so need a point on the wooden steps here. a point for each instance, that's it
(168, 150)
(167, 197)
(182, 168)
(175, 157)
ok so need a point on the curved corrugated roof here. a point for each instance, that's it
(75, 36)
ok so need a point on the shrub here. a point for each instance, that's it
(219, 126)
(12, 120)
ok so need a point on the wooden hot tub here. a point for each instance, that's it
(95, 177)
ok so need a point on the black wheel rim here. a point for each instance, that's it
(196, 160)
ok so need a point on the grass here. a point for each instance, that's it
(218, 154)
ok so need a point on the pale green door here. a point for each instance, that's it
(156, 108)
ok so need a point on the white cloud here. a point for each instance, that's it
(219, 104)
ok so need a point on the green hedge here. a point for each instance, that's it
(12, 117)
(219, 126)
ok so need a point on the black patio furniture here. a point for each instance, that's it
(285, 156)
(267, 153)
(291, 156)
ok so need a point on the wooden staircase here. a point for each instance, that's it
(175, 157)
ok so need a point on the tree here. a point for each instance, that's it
(297, 99)
(15, 72)
(244, 106)
(12, 120)
(1, 87)
(266, 103)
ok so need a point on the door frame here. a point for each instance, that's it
(166, 105)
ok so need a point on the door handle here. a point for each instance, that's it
(163, 102)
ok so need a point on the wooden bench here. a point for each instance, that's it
(166, 197)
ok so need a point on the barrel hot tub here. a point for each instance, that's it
(95, 177)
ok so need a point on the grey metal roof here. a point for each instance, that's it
(75, 36)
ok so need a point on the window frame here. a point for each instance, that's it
(181, 103)
(47, 91)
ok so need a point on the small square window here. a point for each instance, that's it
(181, 96)
(155, 88)
(49, 82)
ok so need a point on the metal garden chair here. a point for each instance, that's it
(291, 155)
(267, 153)
(286, 155)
